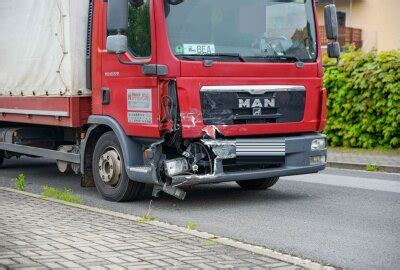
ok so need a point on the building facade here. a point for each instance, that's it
(369, 24)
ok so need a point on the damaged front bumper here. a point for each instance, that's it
(298, 154)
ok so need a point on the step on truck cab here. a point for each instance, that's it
(170, 93)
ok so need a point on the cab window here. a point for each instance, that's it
(139, 33)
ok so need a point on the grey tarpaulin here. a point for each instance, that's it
(42, 47)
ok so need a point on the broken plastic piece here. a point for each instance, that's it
(174, 191)
(224, 149)
(157, 190)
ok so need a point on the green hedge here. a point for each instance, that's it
(364, 100)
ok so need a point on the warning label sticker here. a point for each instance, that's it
(140, 117)
(139, 100)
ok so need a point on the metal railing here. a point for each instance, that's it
(347, 35)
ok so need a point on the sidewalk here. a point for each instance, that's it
(42, 234)
(357, 159)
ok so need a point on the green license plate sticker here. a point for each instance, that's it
(200, 49)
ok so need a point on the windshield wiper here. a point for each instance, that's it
(296, 60)
(293, 58)
(235, 55)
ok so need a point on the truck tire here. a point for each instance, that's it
(259, 184)
(109, 173)
(1, 158)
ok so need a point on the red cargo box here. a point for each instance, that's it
(55, 111)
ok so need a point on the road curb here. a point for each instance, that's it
(203, 235)
(362, 166)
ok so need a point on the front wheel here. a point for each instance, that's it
(109, 171)
(260, 184)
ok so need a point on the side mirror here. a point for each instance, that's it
(117, 44)
(331, 22)
(117, 16)
(117, 24)
(333, 50)
(332, 32)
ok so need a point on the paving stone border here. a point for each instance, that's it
(359, 160)
(261, 255)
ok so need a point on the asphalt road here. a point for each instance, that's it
(343, 218)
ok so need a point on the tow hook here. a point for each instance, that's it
(170, 190)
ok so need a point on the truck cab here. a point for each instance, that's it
(188, 92)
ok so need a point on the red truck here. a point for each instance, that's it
(170, 93)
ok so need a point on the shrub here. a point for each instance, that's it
(364, 100)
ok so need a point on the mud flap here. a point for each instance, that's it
(87, 181)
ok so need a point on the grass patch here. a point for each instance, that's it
(146, 216)
(20, 183)
(63, 195)
(210, 241)
(371, 168)
(192, 226)
(145, 219)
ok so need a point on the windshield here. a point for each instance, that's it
(251, 30)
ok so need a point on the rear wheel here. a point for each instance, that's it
(260, 184)
(109, 171)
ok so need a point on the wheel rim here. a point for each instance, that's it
(110, 166)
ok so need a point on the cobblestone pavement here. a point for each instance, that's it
(42, 234)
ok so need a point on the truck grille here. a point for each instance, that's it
(260, 147)
(230, 105)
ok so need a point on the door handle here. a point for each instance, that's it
(106, 96)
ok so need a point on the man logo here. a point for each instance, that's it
(257, 111)
(257, 103)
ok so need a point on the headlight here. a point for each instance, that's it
(318, 144)
(317, 160)
(176, 166)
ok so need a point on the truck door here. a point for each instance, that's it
(128, 95)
